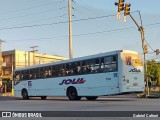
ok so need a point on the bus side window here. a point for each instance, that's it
(62, 70)
(16, 77)
(58, 70)
(84, 69)
(75, 68)
(105, 64)
(50, 73)
(31, 75)
(26, 75)
(95, 65)
(109, 64)
(53, 71)
(78, 68)
(47, 72)
(102, 65)
(22, 76)
(41, 73)
(88, 69)
(68, 69)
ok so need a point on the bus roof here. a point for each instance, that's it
(77, 59)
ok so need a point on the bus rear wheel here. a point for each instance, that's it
(91, 97)
(25, 95)
(72, 94)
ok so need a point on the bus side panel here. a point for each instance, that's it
(40, 87)
(46, 87)
(18, 88)
(92, 85)
(100, 84)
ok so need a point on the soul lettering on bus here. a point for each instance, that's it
(73, 81)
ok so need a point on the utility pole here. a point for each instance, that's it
(70, 28)
(25, 54)
(12, 74)
(34, 50)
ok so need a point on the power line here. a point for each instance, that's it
(76, 3)
(62, 22)
(151, 53)
(92, 18)
(91, 33)
(149, 46)
(95, 12)
(11, 18)
(30, 26)
(89, 16)
(28, 8)
(84, 34)
(33, 39)
(99, 32)
(77, 35)
(46, 24)
(104, 23)
(40, 20)
(153, 24)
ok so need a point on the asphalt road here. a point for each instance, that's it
(112, 103)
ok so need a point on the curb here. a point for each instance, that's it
(6, 94)
(141, 95)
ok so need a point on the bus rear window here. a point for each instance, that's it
(132, 59)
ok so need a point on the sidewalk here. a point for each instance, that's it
(6, 94)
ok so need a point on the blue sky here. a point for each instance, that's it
(89, 36)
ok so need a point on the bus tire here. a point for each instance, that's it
(72, 94)
(91, 97)
(43, 97)
(25, 94)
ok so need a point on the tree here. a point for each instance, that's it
(153, 70)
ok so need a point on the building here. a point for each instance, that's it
(14, 59)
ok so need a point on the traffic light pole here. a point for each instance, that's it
(144, 53)
(140, 29)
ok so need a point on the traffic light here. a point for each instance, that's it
(157, 51)
(145, 49)
(120, 5)
(127, 9)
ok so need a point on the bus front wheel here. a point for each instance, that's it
(91, 97)
(72, 94)
(25, 94)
